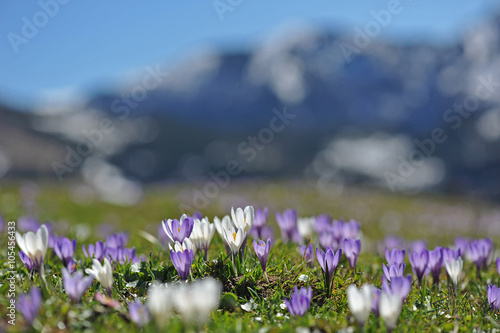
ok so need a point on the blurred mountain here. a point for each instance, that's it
(361, 117)
(23, 151)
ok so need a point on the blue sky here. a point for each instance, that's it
(90, 44)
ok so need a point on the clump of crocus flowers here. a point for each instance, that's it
(192, 234)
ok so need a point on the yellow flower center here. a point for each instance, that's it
(234, 236)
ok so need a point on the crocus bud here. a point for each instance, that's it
(454, 269)
(262, 250)
(419, 261)
(352, 247)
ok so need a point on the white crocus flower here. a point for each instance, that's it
(193, 308)
(454, 269)
(243, 218)
(102, 273)
(360, 301)
(159, 303)
(234, 238)
(305, 225)
(389, 309)
(202, 234)
(220, 225)
(34, 245)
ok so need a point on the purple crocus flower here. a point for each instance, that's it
(139, 313)
(122, 255)
(114, 254)
(398, 286)
(71, 266)
(450, 254)
(117, 239)
(260, 218)
(419, 261)
(461, 244)
(262, 251)
(259, 229)
(75, 285)
(498, 265)
(30, 265)
(182, 261)
(129, 255)
(307, 252)
(394, 270)
(435, 263)
(327, 239)
(328, 260)
(97, 251)
(337, 230)
(323, 223)
(479, 250)
(178, 230)
(352, 247)
(300, 301)
(288, 225)
(395, 256)
(350, 229)
(65, 249)
(266, 232)
(493, 294)
(29, 304)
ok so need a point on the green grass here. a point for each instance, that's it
(437, 219)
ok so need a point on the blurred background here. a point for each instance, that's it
(110, 96)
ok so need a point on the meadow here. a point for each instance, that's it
(226, 289)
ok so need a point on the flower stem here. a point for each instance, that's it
(234, 266)
(42, 278)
